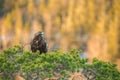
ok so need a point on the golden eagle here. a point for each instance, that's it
(39, 43)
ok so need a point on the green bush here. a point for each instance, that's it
(53, 64)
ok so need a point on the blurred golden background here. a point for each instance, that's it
(90, 25)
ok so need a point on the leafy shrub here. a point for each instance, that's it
(53, 64)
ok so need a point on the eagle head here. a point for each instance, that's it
(39, 33)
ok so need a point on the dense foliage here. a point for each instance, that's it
(33, 66)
